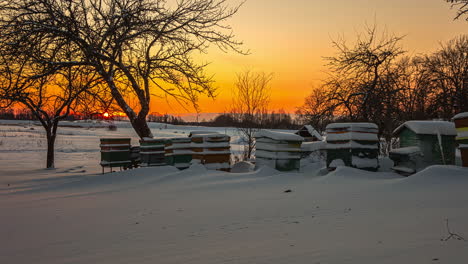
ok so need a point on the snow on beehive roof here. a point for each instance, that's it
(312, 131)
(278, 135)
(158, 139)
(352, 125)
(314, 146)
(208, 135)
(429, 127)
(201, 132)
(405, 150)
(352, 135)
(461, 115)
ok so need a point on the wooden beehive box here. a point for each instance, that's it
(179, 152)
(461, 125)
(353, 145)
(435, 139)
(152, 152)
(115, 152)
(212, 150)
(278, 150)
(407, 160)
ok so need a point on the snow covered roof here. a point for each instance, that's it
(429, 128)
(405, 151)
(311, 131)
(192, 133)
(352, 126)
(352, 131)
(313, 146)
(461, 115)
(148, 139)
(354, 135)
(278, 135)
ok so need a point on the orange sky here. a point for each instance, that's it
(290, 39)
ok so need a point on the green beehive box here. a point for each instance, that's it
(435, 139)
(115, 152)
(353, 144)
(179, 152)
(152, 152)
(168, 153)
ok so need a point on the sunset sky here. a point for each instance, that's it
(290, 39)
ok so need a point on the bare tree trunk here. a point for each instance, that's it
(138, 121)
(50, 152)
(51, 133)
(249, 133)
(141, 127)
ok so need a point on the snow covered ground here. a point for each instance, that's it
(74, 214)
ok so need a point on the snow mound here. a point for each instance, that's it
(100, 183)
(196, 167)
(264, 171)
(385, 164)
(342, 173)
(439, 174)
(336, 163)
(242, 167)
(314, 169)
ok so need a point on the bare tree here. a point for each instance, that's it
(317, 109)
(250, 100)
(363, 84)
(448, 68)
(356, 80)
(50, 98)
(462, 6)
(415, 99)
(136, 46)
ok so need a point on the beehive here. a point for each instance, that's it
(461, 124)
(179, 152)
(115, 152)
(353, 145)
(435, 139)
(152, 152)
(278, 150)
(212, 150)
(407, 160)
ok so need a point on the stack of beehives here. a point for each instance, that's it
(179, 152)
(278, 150)
(353, 145)
(212, 150)
(407, 160)
(152, 152)
(115, 152)
(461, 124)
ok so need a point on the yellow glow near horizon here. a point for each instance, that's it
(290, 39)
